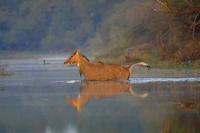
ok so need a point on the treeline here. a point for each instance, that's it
(126, 30)
(49, 25)
(146, 29)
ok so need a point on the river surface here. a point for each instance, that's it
(52, 98)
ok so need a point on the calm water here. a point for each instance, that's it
(52, 99)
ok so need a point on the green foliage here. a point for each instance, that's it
(108, 28)
(125, 26)
(49, 24)
(134, 23)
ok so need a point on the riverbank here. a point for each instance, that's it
(158, 68)
(28, 55)
(4, 72)
(165, 72)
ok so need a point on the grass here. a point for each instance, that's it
(26, 54)
(149, 55)
(3, 72)
(16, 55)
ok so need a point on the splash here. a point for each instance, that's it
(69, 81)
(155, 79)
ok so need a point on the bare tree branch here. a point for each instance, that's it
(164, 5)
(189, 2)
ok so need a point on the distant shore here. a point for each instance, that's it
(157, 70)
(28, 55)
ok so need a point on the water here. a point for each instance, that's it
(52, 99)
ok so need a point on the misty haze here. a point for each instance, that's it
(99, 66)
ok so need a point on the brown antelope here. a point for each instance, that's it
(100, 90)
(100, 70)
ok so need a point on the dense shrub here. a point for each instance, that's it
(189, 52)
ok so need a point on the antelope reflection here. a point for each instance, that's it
(188, 106)
(100, 90)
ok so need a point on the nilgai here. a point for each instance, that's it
(100, 70)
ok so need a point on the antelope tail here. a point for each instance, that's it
(141, 64)
(137, 95)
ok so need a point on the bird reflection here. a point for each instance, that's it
(100, 89)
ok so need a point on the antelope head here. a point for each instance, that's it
(74, 58)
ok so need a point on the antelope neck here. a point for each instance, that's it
(82, 65)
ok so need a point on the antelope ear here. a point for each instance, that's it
(78, 50)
